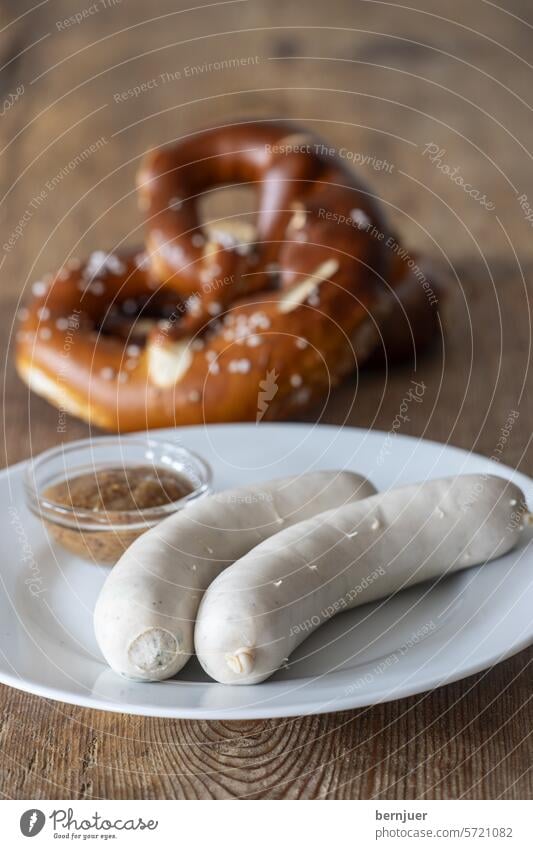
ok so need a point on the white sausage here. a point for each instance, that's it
(144, 616)
(261, 608)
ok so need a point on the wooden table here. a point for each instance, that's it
(382, 81)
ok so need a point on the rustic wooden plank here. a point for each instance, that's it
(470, 740)
(390, 80)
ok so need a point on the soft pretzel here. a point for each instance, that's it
(236, 321)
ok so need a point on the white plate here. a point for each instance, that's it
(418, 640)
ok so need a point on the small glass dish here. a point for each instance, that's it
(101, 534)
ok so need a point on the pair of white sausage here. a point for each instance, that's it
(253, 615)
(145, 614)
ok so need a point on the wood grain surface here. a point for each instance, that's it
(383, 80)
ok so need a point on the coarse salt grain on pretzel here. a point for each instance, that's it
(237, 321)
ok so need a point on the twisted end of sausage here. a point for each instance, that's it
(241, 661)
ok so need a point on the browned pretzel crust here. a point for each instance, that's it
(236, 321)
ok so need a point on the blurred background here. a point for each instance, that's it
(433, 101)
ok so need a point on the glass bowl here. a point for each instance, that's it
(100, 534)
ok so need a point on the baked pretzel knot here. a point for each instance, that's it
(237, 320)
